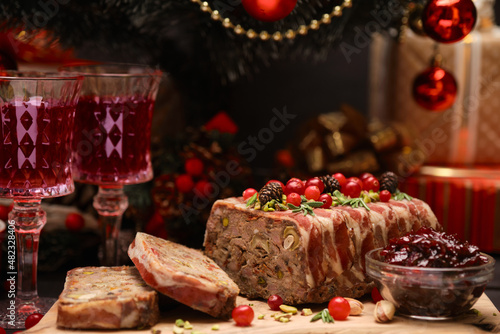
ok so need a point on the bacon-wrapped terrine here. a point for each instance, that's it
(306, 258)
(106, 297)
(184, 274)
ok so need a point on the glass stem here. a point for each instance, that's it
(110, 204)
(29, 219)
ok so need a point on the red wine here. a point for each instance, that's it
(111, 142)
(35, 149)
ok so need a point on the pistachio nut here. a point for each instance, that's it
(288, 309)
(384, 311)
(259, 241)
(357, 307)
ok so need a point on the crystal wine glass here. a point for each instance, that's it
(36, 113)
(111, 144)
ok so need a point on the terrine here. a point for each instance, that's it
(106, 297)
(184, 274)
(306, 258)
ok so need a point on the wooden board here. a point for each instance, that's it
(487, 322)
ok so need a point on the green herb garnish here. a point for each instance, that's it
(323, 315)
(251, 201)
(399, 196)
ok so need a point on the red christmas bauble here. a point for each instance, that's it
(435, 89)
(269, 10)
(449, 21)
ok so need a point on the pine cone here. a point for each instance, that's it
(389, 181)
(331, 183)
(269, 192)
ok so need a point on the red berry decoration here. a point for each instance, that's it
(312, 192)
(2, 331)
(243, 315)
(315, 181)
(247, 193)
(204, 188)
(435, 89)
(352, 189)
(371, 183)
(295, 187)
(269, 10)
(376, 296)
(341, 178)
(274, 302)
(326, 199)
(184, 183)
(32, 320)
(449, 21)
(194, 166)
(385, 196)
(294, 198)
(74, 221)
(339, 308)
(357, 180)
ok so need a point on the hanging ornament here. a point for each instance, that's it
(7, 62)
(449, 21)
(435, 89)
(415, 18)
(269, 10)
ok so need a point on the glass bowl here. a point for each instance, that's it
(429, 293)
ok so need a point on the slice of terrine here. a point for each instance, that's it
(108, 298)
(184, 274)
(306, 259)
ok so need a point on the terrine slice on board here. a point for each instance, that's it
(106, 297)
(305, 259)
(184, 274)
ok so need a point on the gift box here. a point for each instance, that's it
(466, 133)
(465, 201)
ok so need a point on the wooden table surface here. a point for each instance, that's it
(488, 321)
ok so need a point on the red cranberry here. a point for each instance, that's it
(184, 183)
(194, 166)
(294, 199)
(326, 199)
(352, 189)
(364, 176)
(295, 187)
(385, 196)
(357, 180)
(315, 181)
(274, 302)
(371, 183)
(312, 192)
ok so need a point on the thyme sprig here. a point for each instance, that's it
(323, 315)
(251, 201)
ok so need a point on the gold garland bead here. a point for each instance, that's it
(239, 30)
(205, 6)
(251, 34)
(215, 15)
(337, 11)
(348, 3)
(290, 34)
(264, 35)
(326, 18)
(227, 23)
(302, 30)
(277, 36)
(314, 25)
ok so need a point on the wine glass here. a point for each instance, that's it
(111, 144)
(36, 112)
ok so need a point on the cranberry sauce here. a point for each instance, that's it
(429, 248)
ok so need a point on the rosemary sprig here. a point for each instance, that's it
(306, 207)
(341, 199)
(323, 315)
